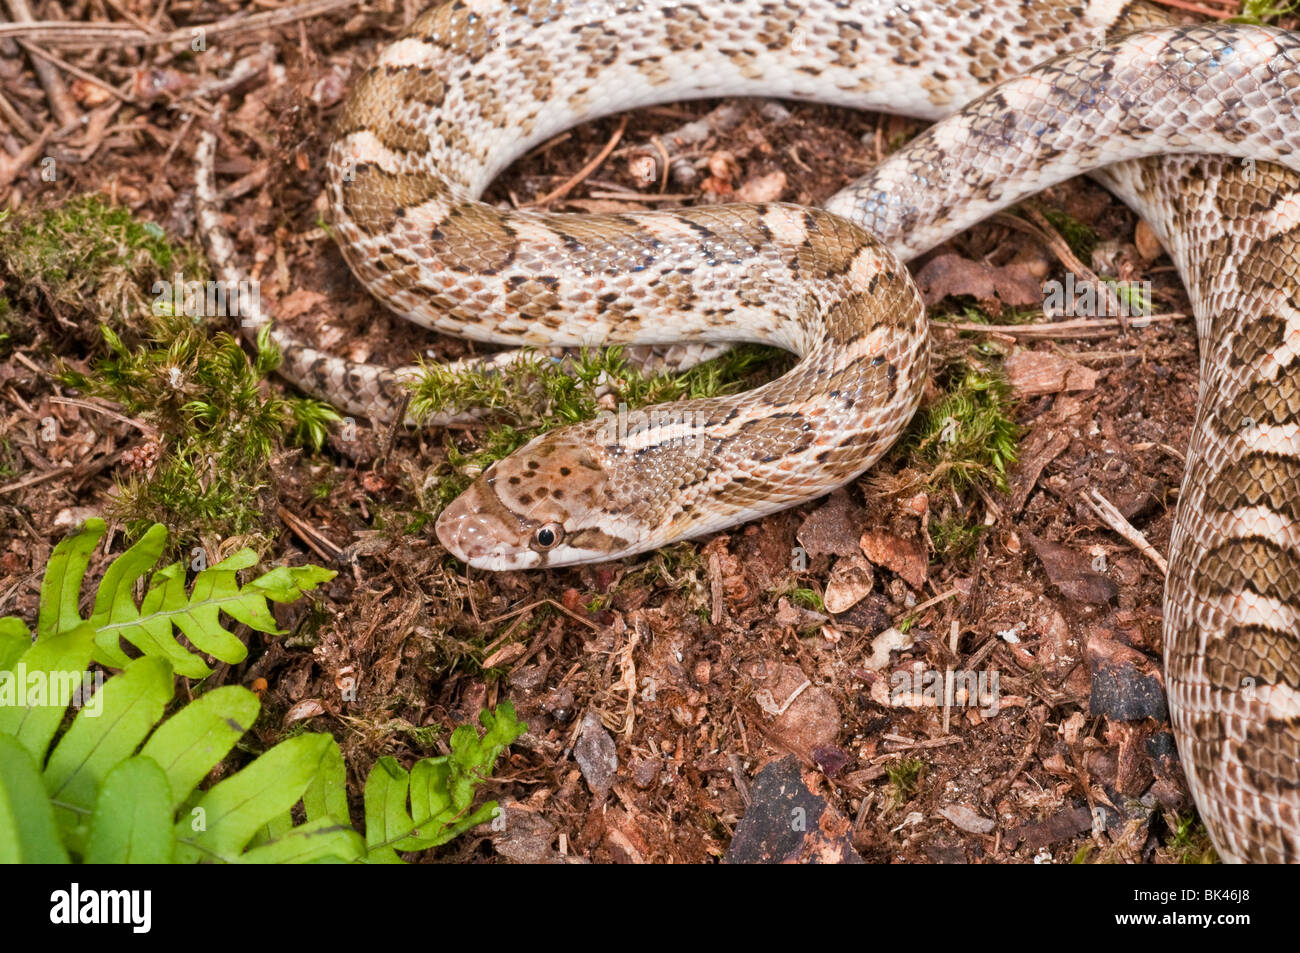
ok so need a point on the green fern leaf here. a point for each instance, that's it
(28, 834)
(193, 741)
(52, 662)
(440, 790)
(225, 820)
(105, 732)
(119, 787)
(132, 821)
(166, 605)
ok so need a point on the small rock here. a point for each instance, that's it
(1126, 685)
(559, 702)
(787, 823)
(832, 530)
(527, 837)
(723, 165)
(73, 516)
(891, 640)
(764, 188)
(596, 755)
(645, 772)
(963, 818)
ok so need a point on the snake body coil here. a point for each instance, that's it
(474, 84)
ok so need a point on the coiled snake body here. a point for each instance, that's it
(475, 83)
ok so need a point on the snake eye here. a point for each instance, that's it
(547, 536)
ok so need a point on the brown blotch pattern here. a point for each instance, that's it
(1256, 340)
(1264, 656)
(1260, 565)
(375, 199)
(474, 238)
(1257, 479)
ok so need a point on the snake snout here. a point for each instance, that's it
(473, 531)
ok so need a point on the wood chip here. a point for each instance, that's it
(1042, 372)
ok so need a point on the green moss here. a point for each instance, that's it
(8, 458)
(808, 598)
(904, 777)
(1266, 11)
(89, 260)
(1080, 237)
(966, 310)
(1190, 843)
(218, 424)
(1132, 296)
(954, 538)
(967, 436)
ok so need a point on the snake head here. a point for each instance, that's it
(531, 509)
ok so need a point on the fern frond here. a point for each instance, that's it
(167, 605)
(122, 784)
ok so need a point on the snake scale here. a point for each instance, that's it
(1033, 92)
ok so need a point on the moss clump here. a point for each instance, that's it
(904, 778)
(954, 538)
(967, 436)
(1190, 843)
(85, 259)
(217, 425)
(1080, 237)
(1267, 11)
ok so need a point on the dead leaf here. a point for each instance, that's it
(850, 581)
(902, 555)
(965, 819)
(299, 301)
(1016, 285)
(1069, 572)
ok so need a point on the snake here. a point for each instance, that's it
(1193, 125)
